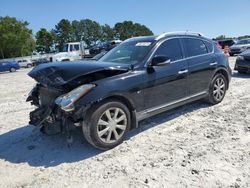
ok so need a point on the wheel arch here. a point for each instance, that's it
(129, 105)
(225, 73)
(120, 98)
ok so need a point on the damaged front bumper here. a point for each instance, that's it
(48, 116)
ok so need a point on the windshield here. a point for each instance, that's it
(131, 52)
(65, 48)
(243, 42)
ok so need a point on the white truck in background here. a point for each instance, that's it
(72, 51)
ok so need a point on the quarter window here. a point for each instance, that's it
(195, 47)
(170, 48)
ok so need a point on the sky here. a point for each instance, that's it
(209, 17)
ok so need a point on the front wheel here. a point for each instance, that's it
(217, 89)
(107, 125)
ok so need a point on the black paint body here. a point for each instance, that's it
(146, 90)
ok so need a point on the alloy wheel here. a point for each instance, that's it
(111, 125)
(219, 89)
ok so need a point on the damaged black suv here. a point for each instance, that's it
(140, 78)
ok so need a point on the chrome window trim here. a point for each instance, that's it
(184, 58)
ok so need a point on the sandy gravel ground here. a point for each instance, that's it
(196, 145)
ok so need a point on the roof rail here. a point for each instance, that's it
(178, 33)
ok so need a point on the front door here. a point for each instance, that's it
(168, 83)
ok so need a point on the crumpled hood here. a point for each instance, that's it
(59, 73)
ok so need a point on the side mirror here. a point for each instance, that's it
(160, 60)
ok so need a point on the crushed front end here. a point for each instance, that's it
(60, 88)
(55, 112)
(48, 116)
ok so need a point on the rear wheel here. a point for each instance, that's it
(107, 125)
(12, 69)
(217, 89)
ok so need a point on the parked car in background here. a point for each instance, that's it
(242, 64)
(105, 46)
(11, 66)
(25, 63)
(140, 78)
(239, 47)
(99, 56)
(226, 42)
(40, 61)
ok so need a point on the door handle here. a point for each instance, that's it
(183, 71)
(212, 64)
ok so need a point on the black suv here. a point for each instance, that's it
(139, 78)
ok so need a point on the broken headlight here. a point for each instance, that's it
(66, 101)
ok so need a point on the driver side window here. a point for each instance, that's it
(171, 49)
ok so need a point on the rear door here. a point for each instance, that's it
(201, 64)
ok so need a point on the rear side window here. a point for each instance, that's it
(209, 46)
(195, 47)
(170, 48)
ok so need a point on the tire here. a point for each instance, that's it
(101, 130)
(217, 89)
(29, 66)
(12, 69)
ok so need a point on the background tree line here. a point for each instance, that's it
(88, 31)
(16, 39)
